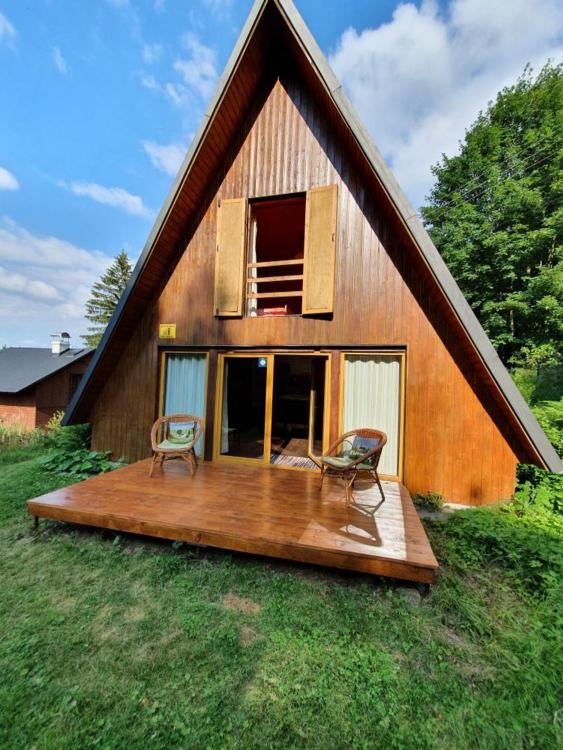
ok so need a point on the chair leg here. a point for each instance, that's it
(348, 484)
(380, 487)
(187, 457)
(154, 457)
(193, 462)
(323, 471)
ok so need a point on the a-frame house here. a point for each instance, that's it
(288, 292)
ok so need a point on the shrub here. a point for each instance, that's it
(428, 500)
(537, 490)
(81, 463)
(55, 422)
(528, 546)
(72, 438)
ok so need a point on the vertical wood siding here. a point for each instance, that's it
(455, 441)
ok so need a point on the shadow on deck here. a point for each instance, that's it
(255, 509)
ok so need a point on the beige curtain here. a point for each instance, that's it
(372, 398)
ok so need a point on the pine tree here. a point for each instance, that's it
(104, 297)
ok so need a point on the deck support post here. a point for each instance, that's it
(35, 523)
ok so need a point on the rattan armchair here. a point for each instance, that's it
(355, 452)
(165, 446)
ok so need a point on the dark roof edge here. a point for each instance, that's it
(541, 445)
(545, 451)
(160, 220)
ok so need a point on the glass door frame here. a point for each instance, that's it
(268, 411)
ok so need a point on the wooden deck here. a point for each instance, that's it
(266, 511)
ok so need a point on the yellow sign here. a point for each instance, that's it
(167, 331)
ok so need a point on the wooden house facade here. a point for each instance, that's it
(288, 292)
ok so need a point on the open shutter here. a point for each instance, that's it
(229, 258)
(320, 250)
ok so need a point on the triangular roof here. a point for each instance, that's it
(275, 27)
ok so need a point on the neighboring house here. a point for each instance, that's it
(288, 292)
(36, 383)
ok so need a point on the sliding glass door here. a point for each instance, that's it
(184, 386)
(372, 397)
(271, 408)
(244, 430)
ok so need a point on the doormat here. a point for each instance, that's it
(301, 461)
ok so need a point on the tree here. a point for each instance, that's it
(104, 297)
(495, 214)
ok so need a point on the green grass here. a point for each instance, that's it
(112, 642)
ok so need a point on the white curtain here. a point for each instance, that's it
(225, 410)
(185, 386)
(372, 397)
(252, 304)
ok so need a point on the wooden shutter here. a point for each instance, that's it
(320, 250)
(230, 257)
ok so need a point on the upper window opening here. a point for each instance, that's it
(274, 279)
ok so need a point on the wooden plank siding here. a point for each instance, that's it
(457, 441)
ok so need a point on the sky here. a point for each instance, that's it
(99, 100)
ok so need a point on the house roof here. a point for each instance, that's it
(21, 367)
(275, 27)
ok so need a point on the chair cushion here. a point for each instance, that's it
(337, 462)
(181, 433)
(169, 445)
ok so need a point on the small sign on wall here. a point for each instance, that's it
(167, 331)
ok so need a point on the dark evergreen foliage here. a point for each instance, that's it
(105, 296)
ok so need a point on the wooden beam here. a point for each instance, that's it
(267, 295)
(268, 279)
(271, 263)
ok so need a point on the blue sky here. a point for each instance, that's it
(99, 100)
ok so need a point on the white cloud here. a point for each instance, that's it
(7, 31)
(44, 284)
(16, 283)
(151, 52)
(7, 180)
(165, 156)
(149, 82)
(199, 70)
(60, 62)
(113, 196)
(420, 80)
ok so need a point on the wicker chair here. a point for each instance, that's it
(171, 446)
(355, 452)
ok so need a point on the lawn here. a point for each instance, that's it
(108, 641)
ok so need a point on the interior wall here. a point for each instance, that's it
(455, 441)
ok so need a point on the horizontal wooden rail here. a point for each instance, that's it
(270, 263)
(267, 279)
(263, 295)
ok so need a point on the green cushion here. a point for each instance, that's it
(343, 462)
(171, 446)
(338, 462)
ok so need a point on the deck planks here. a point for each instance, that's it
(256, 509)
